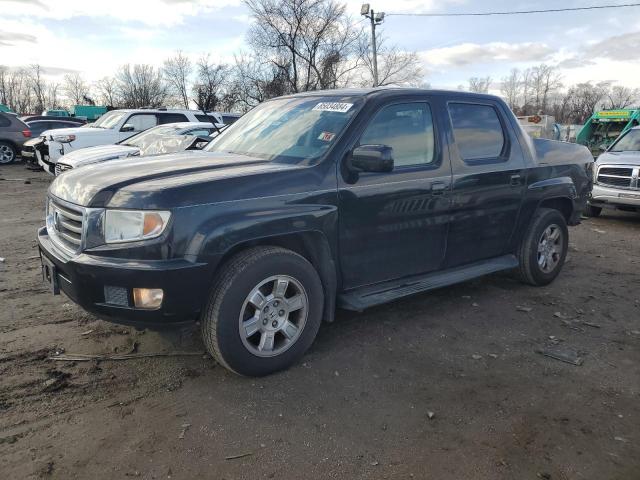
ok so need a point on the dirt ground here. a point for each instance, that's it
(445, 385)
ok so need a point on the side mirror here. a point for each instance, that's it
(372, 158)
(127, 127)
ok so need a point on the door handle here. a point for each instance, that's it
(438, 188)
(515, 180)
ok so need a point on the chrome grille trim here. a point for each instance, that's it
(619, 176)
(61, 168)
(65, 224)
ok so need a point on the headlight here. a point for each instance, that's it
(63, 138)
(131, 225)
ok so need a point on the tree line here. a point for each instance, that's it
(292, 46)
(540, 90)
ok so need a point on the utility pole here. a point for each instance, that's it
(376, 19)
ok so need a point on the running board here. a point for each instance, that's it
(372, 295)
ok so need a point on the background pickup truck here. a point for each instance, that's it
(617, 176)
(349, 198)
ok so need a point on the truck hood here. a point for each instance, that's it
(77, 131)
(86, 156)
(619, 158)
(167, 181)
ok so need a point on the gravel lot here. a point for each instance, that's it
(445, 385)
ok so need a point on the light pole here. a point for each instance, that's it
(376, 19)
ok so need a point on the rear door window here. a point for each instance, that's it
(171, 118)
(477, 131)
(4, 121)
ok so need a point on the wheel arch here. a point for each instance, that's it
(313, 246)
(563, 204)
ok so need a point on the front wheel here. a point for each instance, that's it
(264, 311)
(544, 248)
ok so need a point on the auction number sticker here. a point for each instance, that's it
(333, 107)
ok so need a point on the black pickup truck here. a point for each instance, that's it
(346, 198)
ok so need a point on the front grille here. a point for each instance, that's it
(66, 220)
(622, 177)
(62, 167)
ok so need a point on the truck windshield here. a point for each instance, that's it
(630, 142)
(108, 120)
(289, 130)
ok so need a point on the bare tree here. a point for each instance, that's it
(545, 80)
(38, 87)
(141, 86)
(479, 85)
(208, 87)
(107, 88)
(511, 87)
(310, 42)
(621, 97)
(51, 95)
(75, 88)
(395, 66)
(177, 71)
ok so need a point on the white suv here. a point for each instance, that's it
(110, 128)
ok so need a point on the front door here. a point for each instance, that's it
(394, 225)
(488, 182)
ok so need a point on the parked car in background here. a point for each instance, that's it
(113, 127)
(344, 197)
(13, 133)
(617, 176)
(169, 138)
(38, 125)
(229, 118)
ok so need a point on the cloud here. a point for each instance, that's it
(618, 47)
(471, 53)
(8, 39)
(149, 12)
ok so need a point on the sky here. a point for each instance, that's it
(94, 37)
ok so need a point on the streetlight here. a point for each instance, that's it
(376, 19)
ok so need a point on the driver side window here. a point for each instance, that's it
(408, 129)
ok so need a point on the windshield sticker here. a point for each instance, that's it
(333, 107)
(326, 136)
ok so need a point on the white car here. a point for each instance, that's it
(110, 128)
(169, 138)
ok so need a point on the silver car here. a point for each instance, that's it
(167, 138)
(617, 176)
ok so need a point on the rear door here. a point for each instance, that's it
(488, 181)
(394, 224)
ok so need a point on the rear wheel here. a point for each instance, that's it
(593, 211)
(544, 248)
(264, 311)
(7, 152)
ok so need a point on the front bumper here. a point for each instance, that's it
(83, 279)
(613, 197)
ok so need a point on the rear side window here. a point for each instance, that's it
(408, 129)
(477, 131)
(207, 118)
(171, 118)
(4, 121)
(229, 119)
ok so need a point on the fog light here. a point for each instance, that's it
(147, 298)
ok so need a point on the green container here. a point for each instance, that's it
(90, 112)
(605, 126)
(4, 108)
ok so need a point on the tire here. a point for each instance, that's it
(542, 267)
(232, 314)
(7, 153)
(592, 211)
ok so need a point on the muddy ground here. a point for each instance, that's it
(445, 385)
